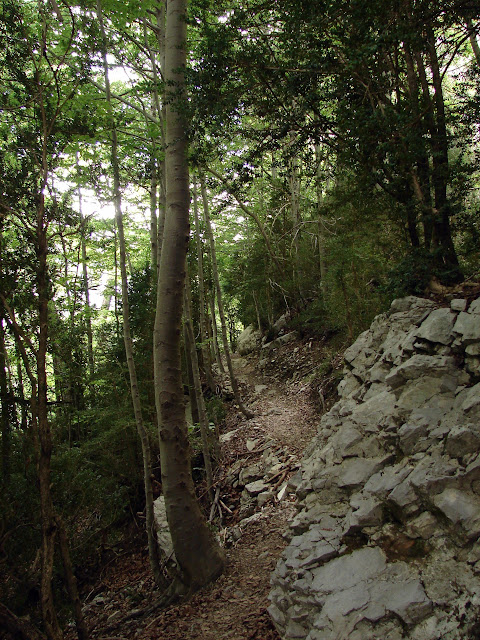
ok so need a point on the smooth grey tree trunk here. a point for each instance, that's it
(206, 353)
(214, 332)
(199, 556)
(202, 411)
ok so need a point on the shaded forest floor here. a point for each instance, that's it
(122, 605)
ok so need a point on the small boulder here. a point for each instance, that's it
(437, 327)
(248, 340)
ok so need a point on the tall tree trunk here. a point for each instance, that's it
(440, 161)
(162, 206)
(321, 225)
(192, 396)
(473, 40)
(86, 290)
(257, 311)
(221, 312)
(205, 351)
(153, 220)
(202, 412)
(115, 288)
(153, 548)
(71, 580)
(6, 407)
(421, 176)
(436, 125)
(39, 402)
(159, 11)
(214, 328)
(157, 165)
(199, 557)
(21, 395)
(44, 437)
(294, 186)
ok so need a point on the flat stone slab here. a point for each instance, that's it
(460, 508)
(406, 598)
(226, 437)
(256, 487)
(260, 387)
(458, 304)
(424, 392)
(418, 366)
(348, 570)
(468, 327)
(356, 471)
(437, 327)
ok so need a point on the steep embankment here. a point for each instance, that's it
(385, 541)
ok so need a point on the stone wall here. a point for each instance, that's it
(384, 544)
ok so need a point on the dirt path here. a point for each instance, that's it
(283, 411)
(234, 607)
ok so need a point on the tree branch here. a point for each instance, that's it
(249, 213)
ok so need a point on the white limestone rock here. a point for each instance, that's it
(164, 538)
(426, 392)
(410, 435)
(437, 327)
(367, 511)
(458, 304)
(463, 439)
(251, 473)
(395, 459)
(467, 327)
(423, 526)
(249, 340)
(460, 508)
(256, 487)
(420, 365)
(469, 401)
(354, 472)
(349, 570)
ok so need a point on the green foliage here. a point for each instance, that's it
(96, 480)
(413, 274)
(20, 532)
(216, 410)
(313, 320)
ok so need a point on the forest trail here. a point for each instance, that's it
(234, 607)
(283, 411)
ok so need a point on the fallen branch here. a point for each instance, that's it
(131, 615)
(279, 482)
(214, 504)
(225, 507)
(282, 472)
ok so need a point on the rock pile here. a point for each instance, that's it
(384, 543)
(265, 479)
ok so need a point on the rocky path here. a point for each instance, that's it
(260, 456)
